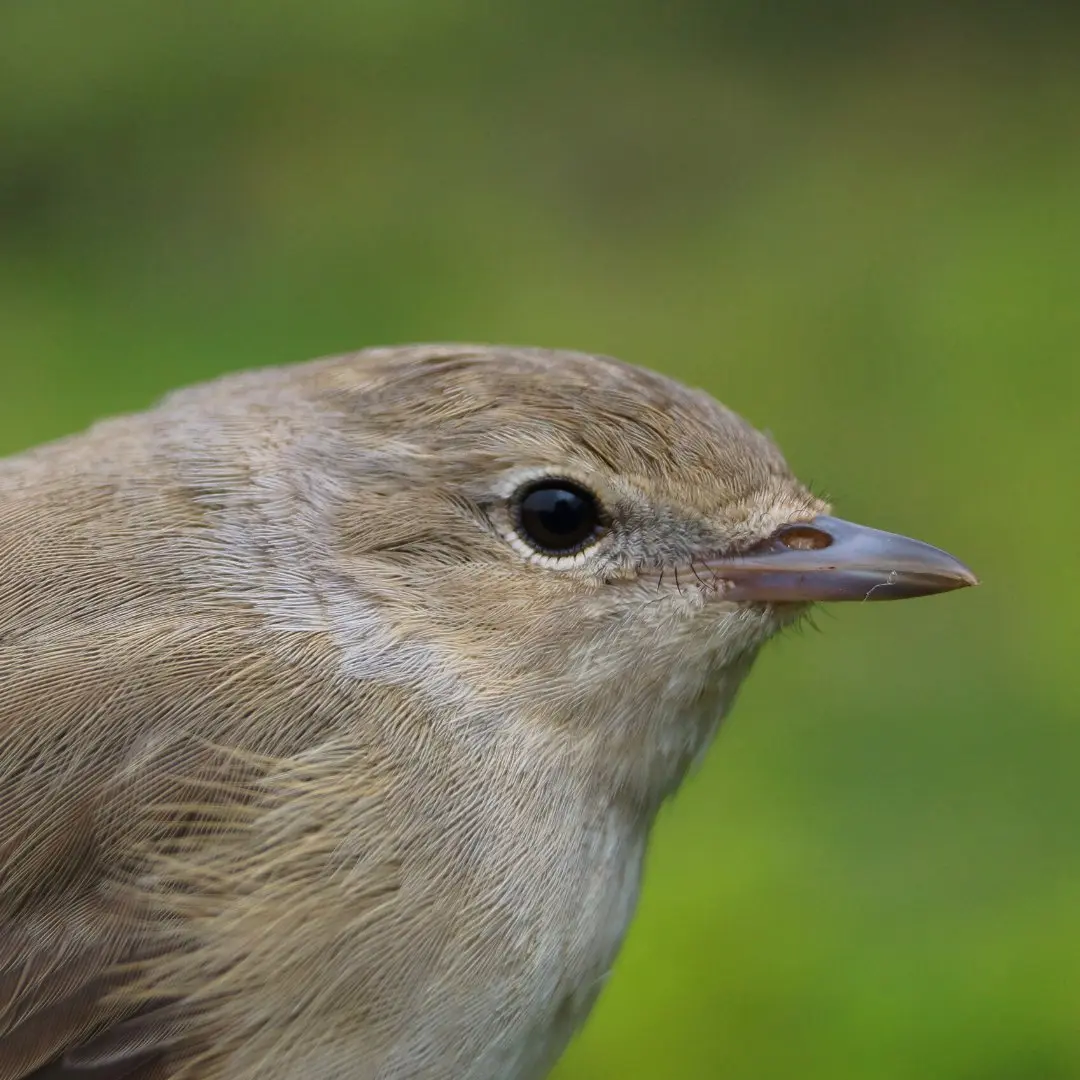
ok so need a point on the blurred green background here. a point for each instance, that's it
(859, 225)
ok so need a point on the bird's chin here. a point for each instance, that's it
(785, 612)
(774, 617)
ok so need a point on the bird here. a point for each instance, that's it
(338, 699)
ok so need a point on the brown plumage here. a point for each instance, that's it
(312, 764)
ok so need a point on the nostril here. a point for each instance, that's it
(803, 538)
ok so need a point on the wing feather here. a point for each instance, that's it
(158, 745)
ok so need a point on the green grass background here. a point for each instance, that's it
(859, 225)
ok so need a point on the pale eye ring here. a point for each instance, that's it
(557, 517)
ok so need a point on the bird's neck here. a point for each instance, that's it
(633, 747)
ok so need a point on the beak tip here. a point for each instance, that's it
(963, 576)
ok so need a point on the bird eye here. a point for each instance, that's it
(558, 517)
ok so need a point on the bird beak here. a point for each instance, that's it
(828, 559)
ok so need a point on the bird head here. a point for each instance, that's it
(563, 547)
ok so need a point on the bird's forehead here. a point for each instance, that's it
(536, 408)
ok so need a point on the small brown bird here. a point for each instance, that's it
(337, 702)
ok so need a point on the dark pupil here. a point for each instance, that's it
(559, 518)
